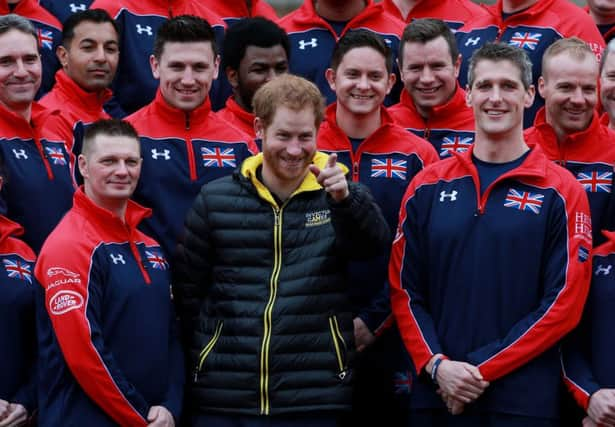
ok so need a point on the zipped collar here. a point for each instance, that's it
(307, 15)
(537, 8)
(24, 7)
(341, 139)
(92, 102)
(534, 165)
(106, 221)
(174, 116)
(240, 113)
(8, 229)
(452, 107)
(19, 125)
(574, 142)
(250, 167)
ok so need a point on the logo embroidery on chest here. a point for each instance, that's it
(472, 41)
(525, 40)
(45, 39)
(313, 219)
(312, 43)
(455, 143)
(147, 30)
(20, 154)
(117, 258)
(56, 156)
(74, 8)
(165, 154)
(156, 260)
(16, 269)
(217, 158)
(524, 200)
(389, 168)
(596, 182)
(452, 196)
(604, 271)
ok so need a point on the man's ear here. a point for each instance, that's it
(232, 76)
(330, 76)
(62, 55)
(83, 165)
(155, 65)
(259, 129)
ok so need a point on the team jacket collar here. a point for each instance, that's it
(604, 119)
(341, 138)
(307, 15)
(89, 101)
(243, 115)
(454, 105)
(9, 228)
(537, 8)
(24, 7)
(534, 165)
(174, 115)
(10, 120)
(574, 142)
(105, 220)
(251, 164)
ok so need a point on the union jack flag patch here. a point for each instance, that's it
(218, 158)
(402, 382)
(456, 143)
(156, 260)
(389, 168)
(56, 155)
(17, 269)
(525, 40)
(524, 200)
(596, 182)
(45, 39)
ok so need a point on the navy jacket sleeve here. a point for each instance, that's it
(75, 313)
(566, 275)
(407, 277)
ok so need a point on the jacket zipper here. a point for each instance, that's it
(340, 347)
(41, 152)
(207, 349)
(273, 288)
(190, 149)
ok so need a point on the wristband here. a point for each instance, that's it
(434, 368)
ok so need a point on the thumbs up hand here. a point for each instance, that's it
(332, 178)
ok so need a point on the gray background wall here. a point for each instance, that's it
(285, 6)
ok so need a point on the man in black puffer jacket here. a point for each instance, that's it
(261, 282)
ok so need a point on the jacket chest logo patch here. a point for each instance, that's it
(602, 270)
(313, 42)
(312, 219)
(56, 155)
(456, 143)
(596, 182)
(17, 269)
(524, 201)
(218, 158)
(525, 40)
(156, 260)
(389, 168)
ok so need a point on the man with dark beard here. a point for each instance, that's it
(255, 51)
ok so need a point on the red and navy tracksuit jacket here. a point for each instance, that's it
(312, 40)
(590, 156)
(454, 12)
(385, 162)
(79, 107)
(134, 85)
(233, 11)
(49, 31)
(607, 30)
(109, 348)
(39, 186)
(587, 356)
(450, 126)
(532, 30)
(17, 324)
(493, 280)
(238, 117)
(181, 152)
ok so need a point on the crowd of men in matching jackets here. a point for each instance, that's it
(181, 290)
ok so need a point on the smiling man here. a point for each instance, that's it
(483, 340)
(385, 158)
(261, 279)
(568, 128)
(432, 104)
(89, 56)
(109, 347)
(184, 144)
